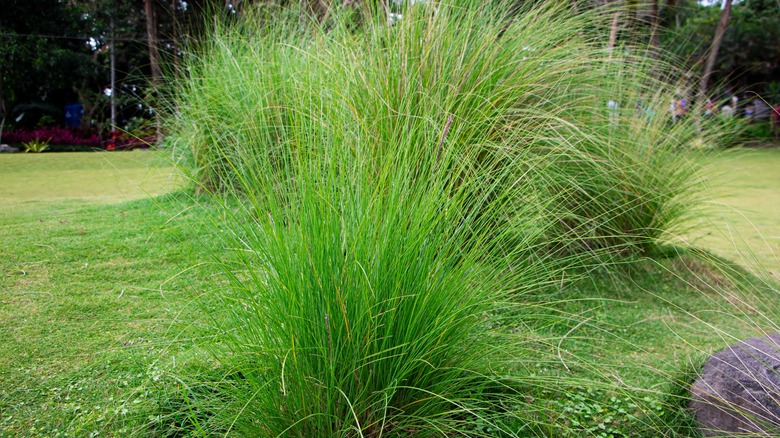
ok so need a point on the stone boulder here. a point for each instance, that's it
(738, 391)
(6, 148)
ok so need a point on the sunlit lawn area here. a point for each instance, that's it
(744, 210)
(743, 217)
(88, 291)
(98, 284)
(97, 178)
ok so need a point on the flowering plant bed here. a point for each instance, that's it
(56, 136)
(77, 140)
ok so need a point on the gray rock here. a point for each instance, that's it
(738, 391)
(6, 148)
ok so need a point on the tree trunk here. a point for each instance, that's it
(655, 41)
(721, 29)
(175, 37)
(151, 35)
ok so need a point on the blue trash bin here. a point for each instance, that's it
(73, 113)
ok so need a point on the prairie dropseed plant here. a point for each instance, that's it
(391, 192)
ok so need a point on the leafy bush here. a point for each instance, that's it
(139, 133)
(758, 131)
(390, 192)
(35, 146)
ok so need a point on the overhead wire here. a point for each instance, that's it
(83, 38)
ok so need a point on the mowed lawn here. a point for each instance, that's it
(100, 276)
(741, 221)
(94, 275)
(742, 215)
(95, 178)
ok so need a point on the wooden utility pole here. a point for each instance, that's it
(2, 107)
(113, 75)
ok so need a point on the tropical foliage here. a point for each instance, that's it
(36, 146)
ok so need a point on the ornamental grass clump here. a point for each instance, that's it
(626, 175)
(389, 194)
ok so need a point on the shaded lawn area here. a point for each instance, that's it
(97, 302)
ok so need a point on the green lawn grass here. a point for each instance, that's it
(89, 293)
(742, 218)
(106, 178)
(97, 299)
(93, 301)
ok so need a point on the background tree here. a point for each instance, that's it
(42, 53)
(714, 47)
(749, 54)
(151, 37)
(54, 52)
